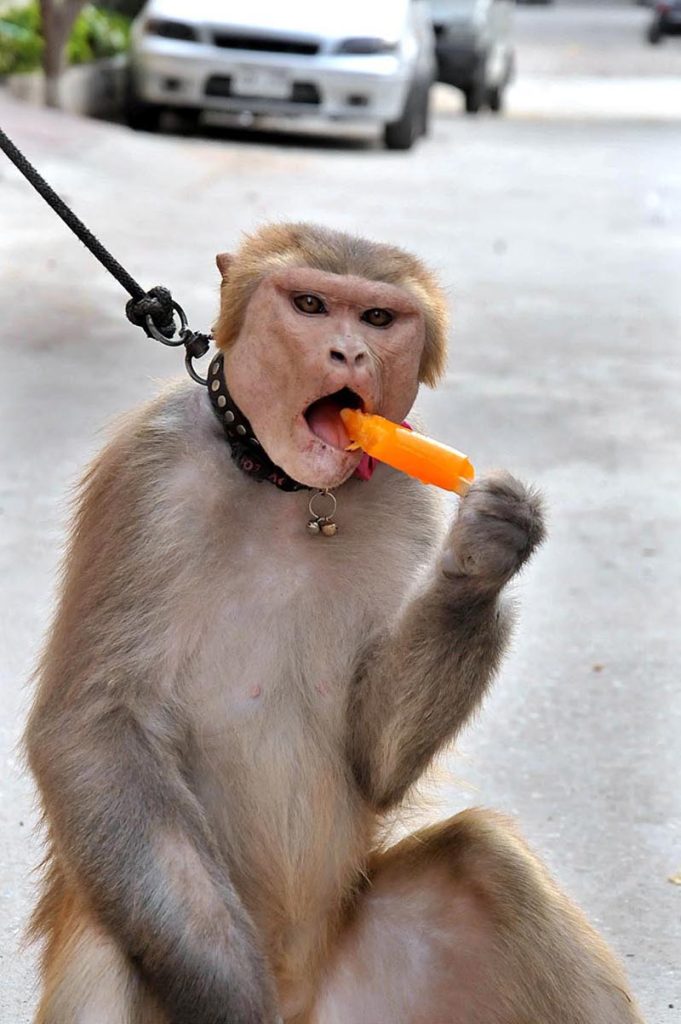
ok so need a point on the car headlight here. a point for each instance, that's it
(366, 45)
(170, 29)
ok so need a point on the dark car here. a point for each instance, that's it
(474, 48)
(666, 20)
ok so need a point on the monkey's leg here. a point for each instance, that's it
(461, 924)
(86, 978)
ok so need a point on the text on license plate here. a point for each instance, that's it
(270, 83)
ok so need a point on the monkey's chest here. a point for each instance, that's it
(270, 741)
(276, 652)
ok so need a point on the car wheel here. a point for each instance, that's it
(188, 119)
(403, 133)
(141, 116)
(425, 110)
(474, 98)
(495, 99)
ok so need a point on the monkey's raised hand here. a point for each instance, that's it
(423, 679)
(499, 524)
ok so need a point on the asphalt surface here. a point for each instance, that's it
(557, 231)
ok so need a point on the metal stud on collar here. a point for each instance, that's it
(246, 450)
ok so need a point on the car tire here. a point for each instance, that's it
(495, 99)
(140, 116)
(188, 119)
(474, 98)
(403, 133)
(425, 111)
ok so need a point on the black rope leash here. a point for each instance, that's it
(154, 310)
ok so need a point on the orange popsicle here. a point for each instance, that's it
(412, 453)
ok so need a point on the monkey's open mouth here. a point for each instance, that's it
(323, 416)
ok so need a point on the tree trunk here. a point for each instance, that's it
(57, 18)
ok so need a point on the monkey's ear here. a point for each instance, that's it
(224, 261)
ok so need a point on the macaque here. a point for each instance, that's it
(232, 699)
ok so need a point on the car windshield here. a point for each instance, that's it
(442, 10)
(354, 17)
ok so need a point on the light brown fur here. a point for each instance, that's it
(228, 708)
(283, 245)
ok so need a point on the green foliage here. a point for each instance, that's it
(21, 44)
(96, 33)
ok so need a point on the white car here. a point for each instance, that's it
(361, 61)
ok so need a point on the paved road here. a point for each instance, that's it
(592, 39)
(558, 234)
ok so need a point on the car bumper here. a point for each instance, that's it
(366, 88)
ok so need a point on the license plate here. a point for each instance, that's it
(268, 83)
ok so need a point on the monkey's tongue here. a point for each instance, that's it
(323, 419)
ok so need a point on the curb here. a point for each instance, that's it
(95, 89)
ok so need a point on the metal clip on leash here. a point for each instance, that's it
(155, 313)
(154, 310)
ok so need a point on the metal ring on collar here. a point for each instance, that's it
(320, 495)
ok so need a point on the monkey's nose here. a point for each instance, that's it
(349, 354)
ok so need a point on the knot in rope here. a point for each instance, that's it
(155, 310)
(157, 303)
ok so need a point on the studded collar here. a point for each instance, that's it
(247, 451)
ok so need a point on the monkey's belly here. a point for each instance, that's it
(294, 832)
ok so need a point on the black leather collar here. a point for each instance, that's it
(247, 451)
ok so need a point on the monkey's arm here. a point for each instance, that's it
(418, 684)
(108, 741)
(128, 828)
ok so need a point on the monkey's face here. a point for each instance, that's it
(311, 344)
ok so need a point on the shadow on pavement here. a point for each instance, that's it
(305, 137)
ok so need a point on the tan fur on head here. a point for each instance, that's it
(284, 245)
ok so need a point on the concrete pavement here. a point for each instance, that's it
(559, 239)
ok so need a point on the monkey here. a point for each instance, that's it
(230, 704)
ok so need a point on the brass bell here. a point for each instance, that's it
(330, 529)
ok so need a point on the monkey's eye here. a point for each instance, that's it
(378, 317)
(310, 304)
